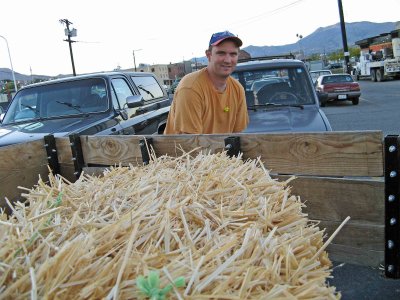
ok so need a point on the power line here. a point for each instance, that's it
(263, 15)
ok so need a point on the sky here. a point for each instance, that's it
(159, 31)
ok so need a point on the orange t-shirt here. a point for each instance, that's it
(199, 108)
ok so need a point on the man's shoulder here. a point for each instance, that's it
(192, 79)
(194, 75)
(233, 81)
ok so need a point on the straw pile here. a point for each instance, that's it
(222, 224)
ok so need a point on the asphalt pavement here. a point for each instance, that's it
(359, 282)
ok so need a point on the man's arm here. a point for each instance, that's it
(188, 112)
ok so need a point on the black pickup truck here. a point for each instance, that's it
(114, 103)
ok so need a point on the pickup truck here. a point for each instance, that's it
(113, 103)
(280, 96)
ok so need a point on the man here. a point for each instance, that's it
(210, 100)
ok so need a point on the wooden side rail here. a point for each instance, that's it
(21, 165)
(339, 174)
(320, 154)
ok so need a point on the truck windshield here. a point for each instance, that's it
(57, 100)
(286, 86)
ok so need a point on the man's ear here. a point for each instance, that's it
(208, 54)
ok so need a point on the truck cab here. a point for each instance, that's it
(379, 57)
(114, 103)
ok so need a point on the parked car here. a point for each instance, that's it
(175, 85)
(115, 103)
(340, 87)
(280, 96)
(335, 66)
(316, 73)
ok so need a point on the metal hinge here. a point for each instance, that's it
(77, 154)
(51, 150)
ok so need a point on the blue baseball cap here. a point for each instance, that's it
(218, 37)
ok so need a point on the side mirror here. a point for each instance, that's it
(134, 101)
(2, 113)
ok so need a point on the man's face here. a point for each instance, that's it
(222, 59)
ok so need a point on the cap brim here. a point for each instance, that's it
(234, 39)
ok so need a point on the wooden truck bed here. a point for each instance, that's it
(339, 174)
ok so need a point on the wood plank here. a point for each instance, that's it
(27, 177)
(64, 153)
(113, 150)
(356, 235)
(353, 153)
(21, 165)
(356, 256)
(64, 156)
(319, 154)
(334, 199)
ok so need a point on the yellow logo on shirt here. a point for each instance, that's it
(226, 109)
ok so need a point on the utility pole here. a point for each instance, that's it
(69, 33)
(344, 38)
(134, 59)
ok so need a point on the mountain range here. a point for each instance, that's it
(323, 40)
(326, 39)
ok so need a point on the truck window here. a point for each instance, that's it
(57, 100)
(121, 91)
(148, 87)
(290, 85)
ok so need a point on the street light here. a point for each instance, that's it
(300, 46)
(12, 69)
(134, 59)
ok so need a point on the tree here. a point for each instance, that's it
(339, 55)
(8, 87)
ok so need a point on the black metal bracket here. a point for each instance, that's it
(51, 150)
(232, 146)
(392, 206)
(146, 146)
(77, 154)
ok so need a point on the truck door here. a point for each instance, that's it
(144, 119)
(120, 90)
(156, 104)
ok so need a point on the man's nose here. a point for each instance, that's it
(227, 58)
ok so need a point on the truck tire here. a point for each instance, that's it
(355, 101)
(379, 75)
(373, 75)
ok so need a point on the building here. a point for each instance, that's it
(160, 70)
(180, 69)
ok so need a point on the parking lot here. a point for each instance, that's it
(378, 109)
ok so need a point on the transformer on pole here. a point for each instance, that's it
(69, 33)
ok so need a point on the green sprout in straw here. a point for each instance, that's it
(150, 286)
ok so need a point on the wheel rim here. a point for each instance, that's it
(373, 75)
(378, 75)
